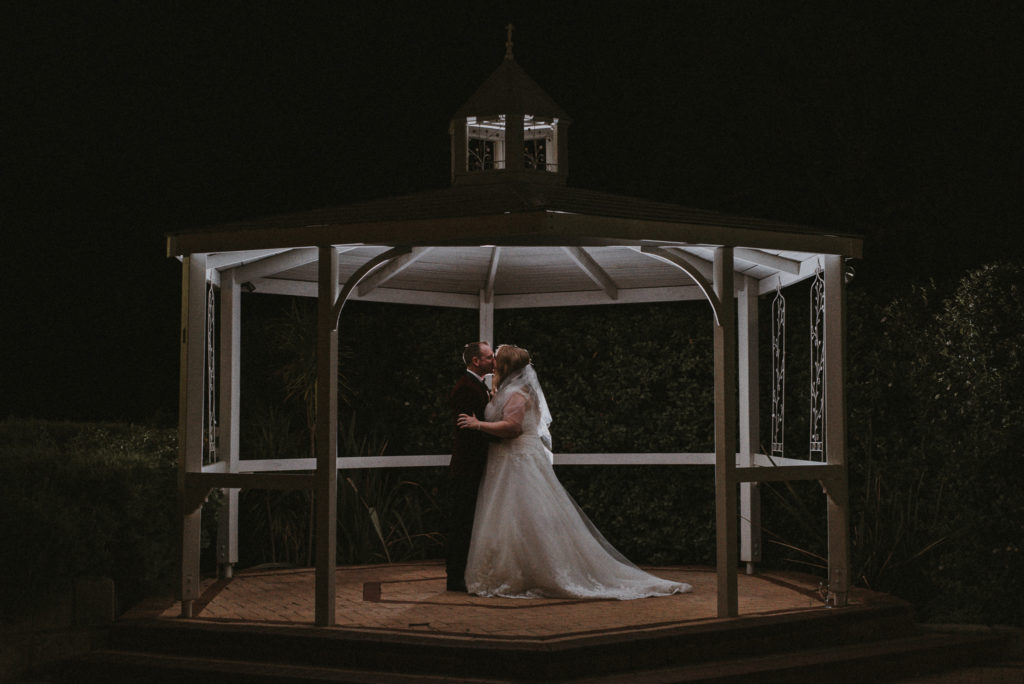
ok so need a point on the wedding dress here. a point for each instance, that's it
(530, 539)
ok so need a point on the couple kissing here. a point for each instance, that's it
(512, 529)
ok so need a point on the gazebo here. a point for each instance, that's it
(508, 233)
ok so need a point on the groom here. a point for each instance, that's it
(469, 457)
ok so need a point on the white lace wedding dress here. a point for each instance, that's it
(530, 539)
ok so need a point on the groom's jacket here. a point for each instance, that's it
(469, 447)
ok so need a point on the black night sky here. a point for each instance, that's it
(897, 120)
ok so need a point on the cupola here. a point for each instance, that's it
(509, 130)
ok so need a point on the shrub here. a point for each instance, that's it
(79, 499)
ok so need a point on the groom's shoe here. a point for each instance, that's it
(454, 584)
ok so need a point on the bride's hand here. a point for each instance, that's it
(467, 421)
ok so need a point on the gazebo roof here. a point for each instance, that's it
(516, 236)
(510, 90)
(527, 244)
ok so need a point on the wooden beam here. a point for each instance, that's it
(485, 326)
(389, 270)
(326, 476)
(684, 264)
(457, 300)
(542, 228)
(360, 273)
(773, 261)
(783, 469)
(229, 415)
(225, 260)
(492, 272)
(750, 421)
(191, 398)
(814, 471)
(725, 435)
(593, 270)
(277, 263)
(838, 503)
(199, 485)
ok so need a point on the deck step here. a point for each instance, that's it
(130, 667)
(450, 655)
(887, 660)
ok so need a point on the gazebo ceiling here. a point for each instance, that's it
(524, 244)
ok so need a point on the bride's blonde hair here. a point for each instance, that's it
(508, 358)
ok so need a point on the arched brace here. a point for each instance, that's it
(691, 270)
(361, 273)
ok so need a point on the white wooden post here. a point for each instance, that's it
(190, 423)
(725, 434)
(750, 422)
(835, 431)
(326, 478)
(486, 333)
(227, 447)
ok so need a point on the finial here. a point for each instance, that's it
(508, 41)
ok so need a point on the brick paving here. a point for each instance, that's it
(410, 598)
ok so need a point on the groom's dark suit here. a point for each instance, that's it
(469, 457)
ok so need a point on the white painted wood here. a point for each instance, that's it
(389, 270)
(691, 270)
(807, 266)
(768, 259)
(593, 270)
(224, 260)
(228, 427)
(276, 263)
(326, 489)
(838, 504)
(362, 272)
(725, 435)
(809, 471)
(702, 257)
(472, 301)
(750, 421)
(492, 270)
(440, 460)
(766, 461)
(796, 468)
(595, 297)
(486, 322)
(384, 295)
(191, 401)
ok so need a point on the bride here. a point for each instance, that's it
(530, 539)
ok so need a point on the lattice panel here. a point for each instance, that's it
(778, 372)
(817, 333)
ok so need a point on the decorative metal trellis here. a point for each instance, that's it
(210, 455)
(817, 330)
(778, 371)
(817, 378)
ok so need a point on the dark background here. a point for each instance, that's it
(897, 120)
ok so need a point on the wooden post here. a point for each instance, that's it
(457, 129)
(725, 434)
(750, 423)
(227, 447)
(835, 431)
(486, 332)
(326, 478)
(515, 159)
(190, 422)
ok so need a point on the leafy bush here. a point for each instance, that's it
(936, 418)
(84, 500)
